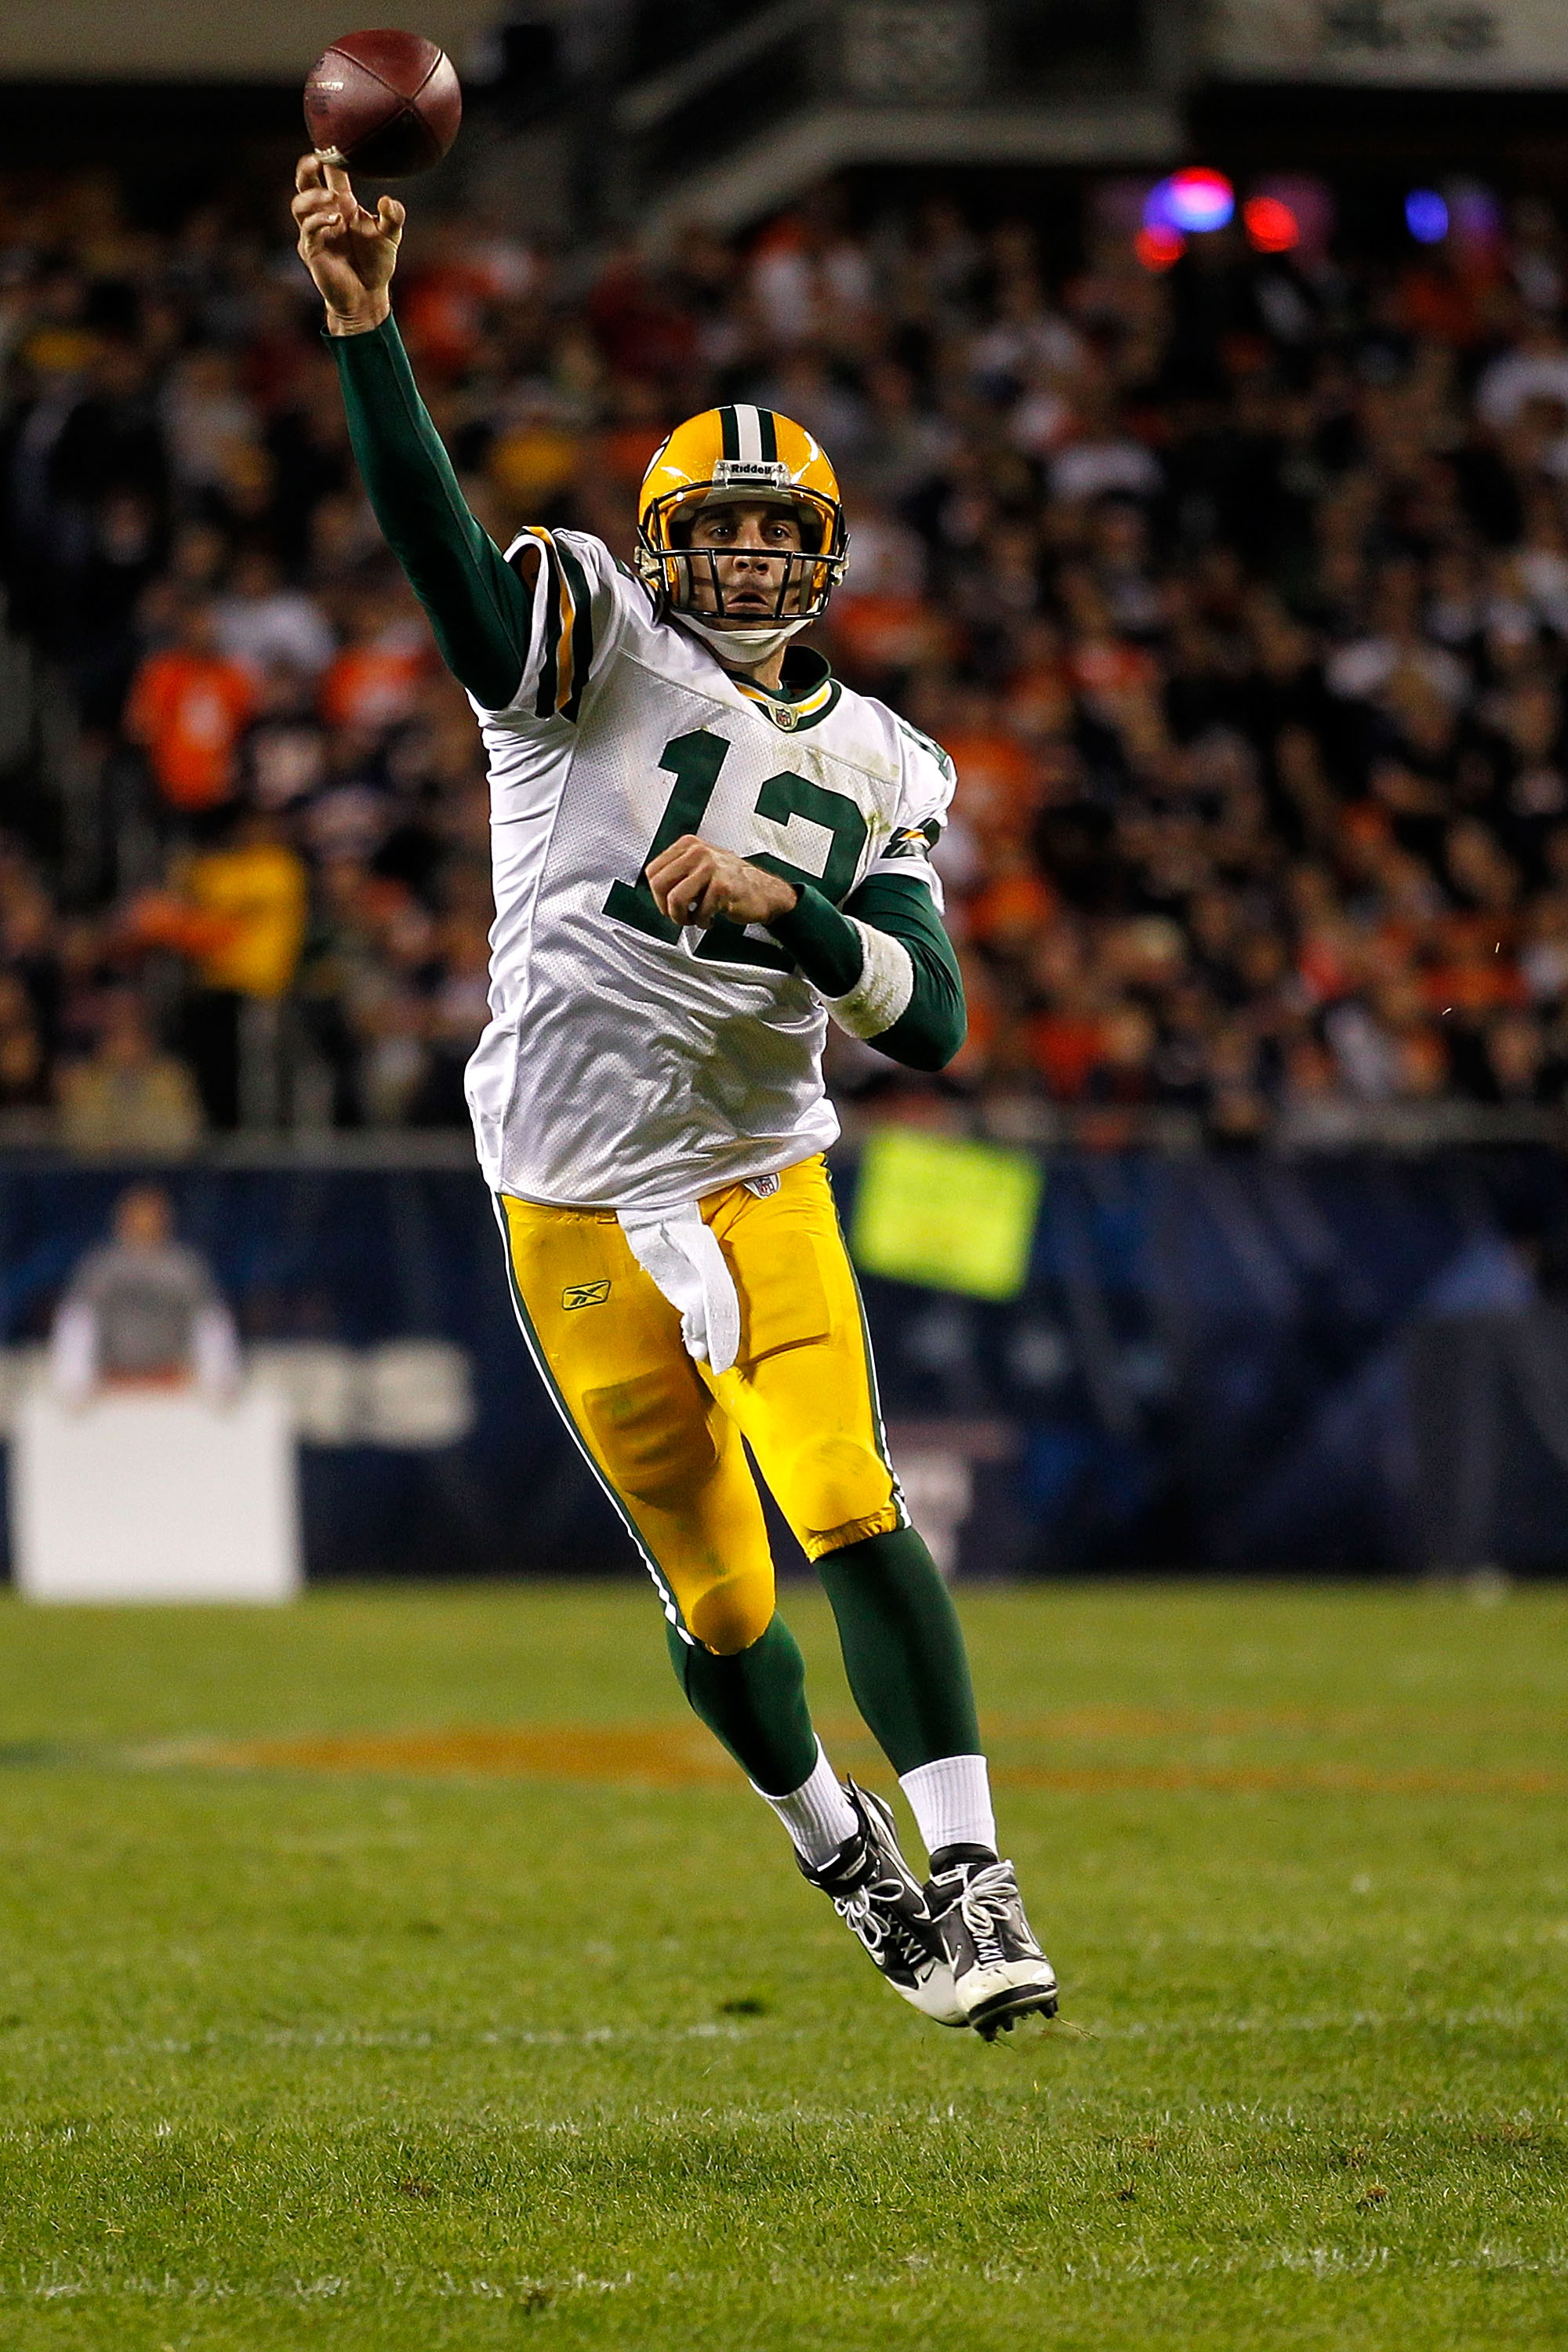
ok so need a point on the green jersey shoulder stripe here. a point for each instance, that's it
(549, 664)
(582, 640)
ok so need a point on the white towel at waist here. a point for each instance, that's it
(677, 1251)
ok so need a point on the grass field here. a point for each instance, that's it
(403, 1971)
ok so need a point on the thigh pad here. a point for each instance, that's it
(652, 1433)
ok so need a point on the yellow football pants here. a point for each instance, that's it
(665, 1433)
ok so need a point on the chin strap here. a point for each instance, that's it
(755, 645)
(883, 991)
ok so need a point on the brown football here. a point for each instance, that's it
(386, 103)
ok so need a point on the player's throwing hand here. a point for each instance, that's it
(350, 253)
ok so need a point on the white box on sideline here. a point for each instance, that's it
(155, 1496)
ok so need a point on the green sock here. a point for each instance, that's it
(903, 1648)
(754, 1702)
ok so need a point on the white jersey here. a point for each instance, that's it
(628, 1063)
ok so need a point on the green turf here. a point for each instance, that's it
(385, 2063)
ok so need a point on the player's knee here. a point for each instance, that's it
(652, 1433)
(731, 1616)
(835, 1482)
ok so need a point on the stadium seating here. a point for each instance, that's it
(1237, 590)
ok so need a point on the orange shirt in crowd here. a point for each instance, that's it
(1012, 909)
(442, 313)
(190, 709)
(622, 453)
(1473, 985)
(371, 686)
(1065, 1048)
(997, 784)
(1109, 665)
(883, 633)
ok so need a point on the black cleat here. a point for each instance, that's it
(999, 1972)
(884, 1906)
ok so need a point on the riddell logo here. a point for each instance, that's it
(742, 473)
(585, 1294)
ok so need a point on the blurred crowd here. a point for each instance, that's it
(1237, 587)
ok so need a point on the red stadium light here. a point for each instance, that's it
(1159, 247)
(1271, 226)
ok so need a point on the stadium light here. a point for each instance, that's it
(1427, 215)
(1159, 247)
(1271, 226)
(1193, 201)
(1474, 213)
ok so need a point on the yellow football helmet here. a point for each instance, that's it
(727, 455)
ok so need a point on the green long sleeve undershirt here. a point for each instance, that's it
(479, 611)
(827, 948)
(477, 607)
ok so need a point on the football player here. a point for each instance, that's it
(705, 847)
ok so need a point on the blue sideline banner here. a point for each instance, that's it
(1213, 1364)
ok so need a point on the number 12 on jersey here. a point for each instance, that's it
(695, 760)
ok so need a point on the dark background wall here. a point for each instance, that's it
(1242, 1363)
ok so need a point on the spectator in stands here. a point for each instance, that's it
(189, 706)
(24, 1070)
(128, 1097)
(142, 1309)
(249, 898)
(267, 626)
(236, 912)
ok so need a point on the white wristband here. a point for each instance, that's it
(883, 991)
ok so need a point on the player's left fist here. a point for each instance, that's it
(694, 882)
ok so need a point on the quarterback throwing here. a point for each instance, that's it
(705, 847)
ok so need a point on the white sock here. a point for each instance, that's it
(817, 1815)
(950, 1801)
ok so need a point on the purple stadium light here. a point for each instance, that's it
(1193, 201)
(1474, 213)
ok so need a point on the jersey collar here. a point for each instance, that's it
(808, 693)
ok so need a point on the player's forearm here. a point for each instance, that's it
(929, 1029)
(477, 607)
